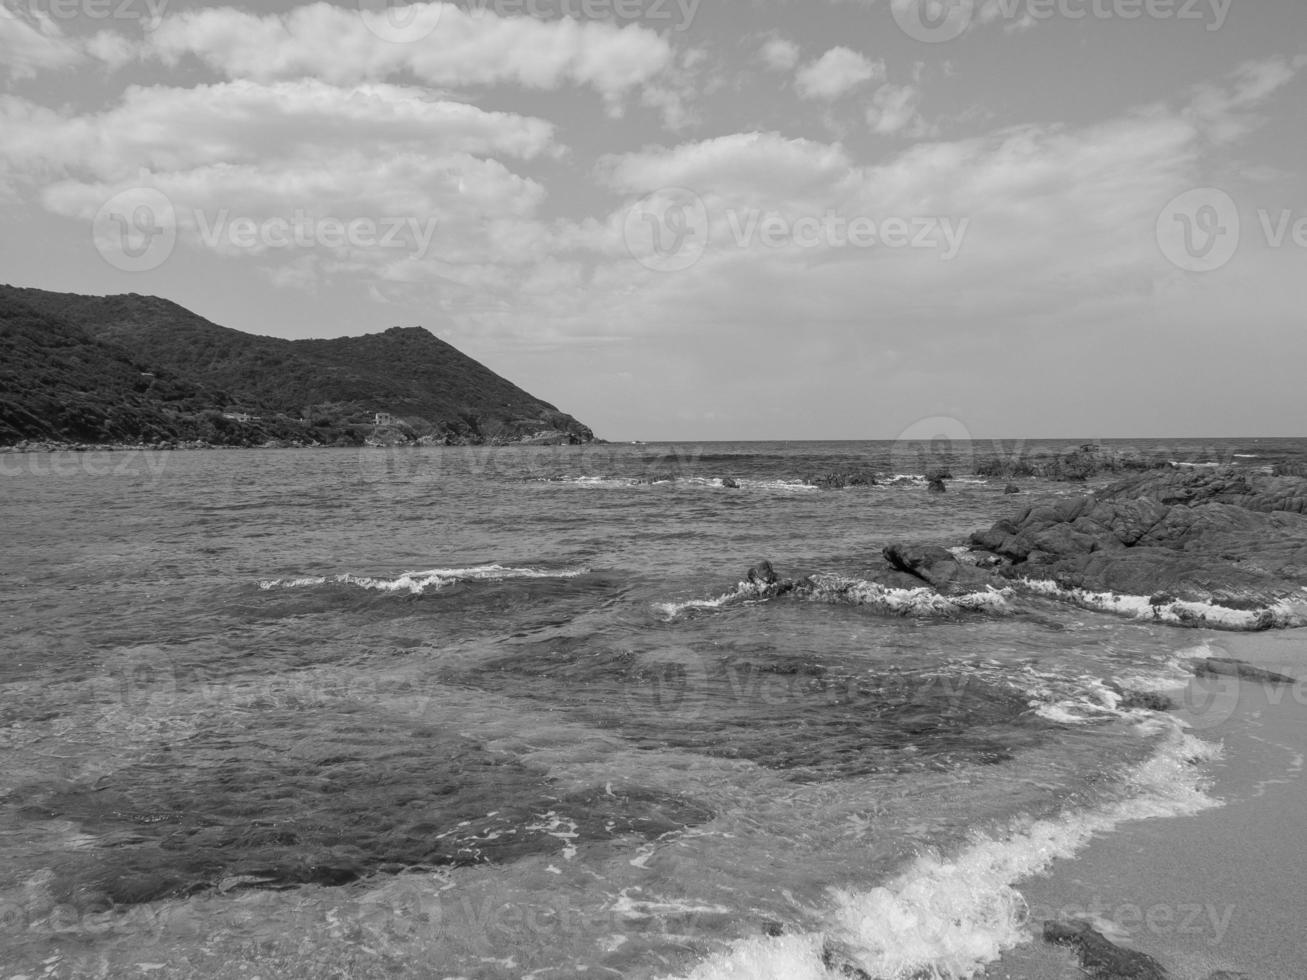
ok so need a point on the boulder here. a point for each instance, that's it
(1100, 957)
(938, 568)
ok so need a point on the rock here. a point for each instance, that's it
(1075, 465)
(763, 574)
(1011, 489)
(936, 486)
(1099, 956)
(1224, 666)
(729, 484)
(938, 568)
(770, 927)
(838, 481)
(1225, 538)
(837, 959)
(1145, 701)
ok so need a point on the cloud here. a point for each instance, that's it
(893, 109)
(34, 43)
(779, 54)
(464, 48)
(838, 71)
(296, 152)
(1224, 110)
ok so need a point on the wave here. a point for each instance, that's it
(702, 482)
(945, 917)
(416, 583)
(852, 591)
(1277, 615)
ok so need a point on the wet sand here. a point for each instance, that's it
(1225, 889)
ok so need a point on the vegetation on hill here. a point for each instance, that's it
(140, 368)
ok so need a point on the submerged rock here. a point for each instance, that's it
(836, 958)
(1011, 489)
(1145, 701)
(729, 483)
(1099, 956)
(1224, 666)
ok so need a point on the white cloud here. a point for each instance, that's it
(779, 54)
(838, 71)
(35, 43)
(465, 49)
(894, 108)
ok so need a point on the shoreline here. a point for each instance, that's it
(1215, 895)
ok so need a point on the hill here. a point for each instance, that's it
(76, 367)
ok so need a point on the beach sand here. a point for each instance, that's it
(1225, 889)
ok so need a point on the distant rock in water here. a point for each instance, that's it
(1100, 957)
(1075, 465)
(839, 481)
(1223, 539)
(132, 369)
(1011, 489)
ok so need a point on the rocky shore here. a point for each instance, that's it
(1221, 548)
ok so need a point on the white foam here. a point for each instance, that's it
(1285, 613)
(906, 602)
(859, 592)
(744, 592)
(1172, 675)
(416, 583)
(946, 917)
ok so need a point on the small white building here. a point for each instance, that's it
(384, 418)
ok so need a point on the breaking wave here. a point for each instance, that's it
(924, 601)
(1281, 614)
(416, 583)
(946, 917)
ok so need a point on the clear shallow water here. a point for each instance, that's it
(469, 713)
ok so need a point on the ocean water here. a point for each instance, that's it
(510, 713)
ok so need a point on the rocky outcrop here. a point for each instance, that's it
(1100, 957)
(1222, 537)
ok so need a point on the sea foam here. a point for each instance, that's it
(1281, 614)
(415, 583)
(857, 592)
(946, 917)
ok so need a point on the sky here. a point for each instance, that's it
(704, 219)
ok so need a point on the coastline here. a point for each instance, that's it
(1216, 891)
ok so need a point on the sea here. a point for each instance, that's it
(510, 713)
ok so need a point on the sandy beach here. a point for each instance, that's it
(1218, 891)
